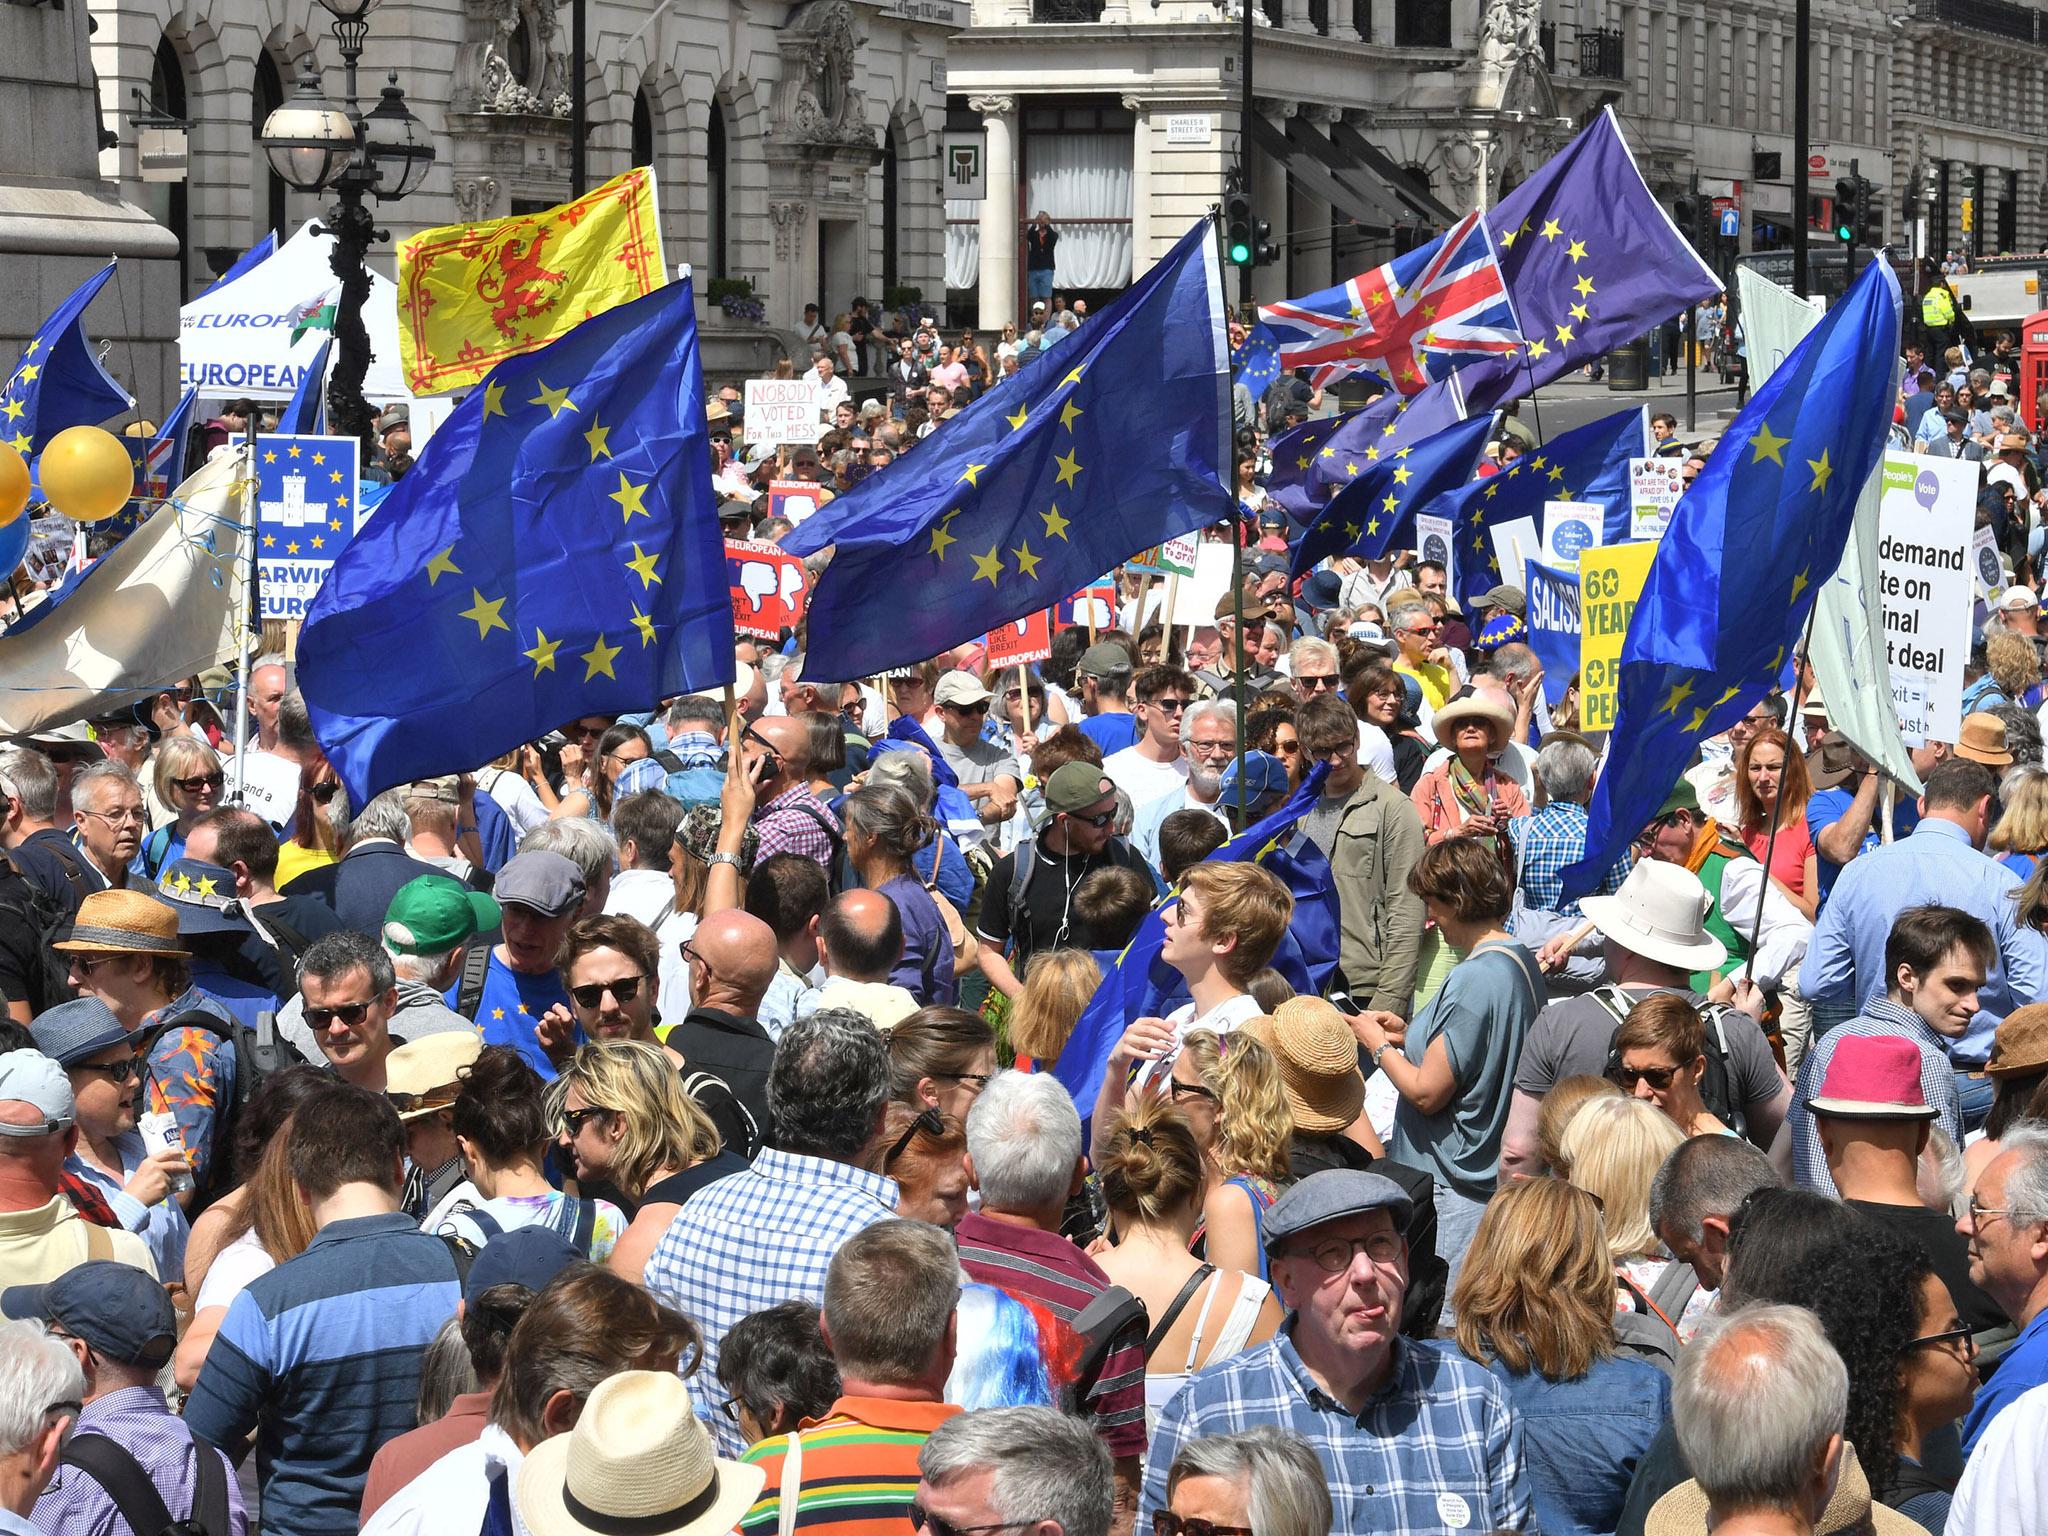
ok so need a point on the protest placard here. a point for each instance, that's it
(1654, 488)
(1553, 625)
(1925, 584)
(1176, 557)
(1571, 526)
(768, 588)
(1610, 581)
(1435, 539)
(781, 411)
(1093, 604)
(1515, 543)
(793, 499)
(1021, 641)
(306, 513)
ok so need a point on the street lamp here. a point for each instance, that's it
(384, 153)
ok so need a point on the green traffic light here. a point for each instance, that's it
(1240, 253)
(1844, 233)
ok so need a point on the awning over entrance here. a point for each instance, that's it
(1356, 179)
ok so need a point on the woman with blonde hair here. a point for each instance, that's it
(187, 776)
(2021, 835)
(1614, 1148)
(1058, 984)
(1229, 1088)
(1566, 1098)
(620, 1112)
(1535, 1306)
(1155, 1180)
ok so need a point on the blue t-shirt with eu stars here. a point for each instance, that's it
(512, 1008)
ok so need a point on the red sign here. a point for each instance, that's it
(769, 587)
(794, 499)
(1021, 642)
(1099, 598)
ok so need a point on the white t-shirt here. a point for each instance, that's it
(1143, 779)
(270, 785)
(2004, 1491)
(1222, 1019)
(1375, 751)
(515, 798)
(231, 1271)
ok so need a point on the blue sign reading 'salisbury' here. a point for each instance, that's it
(306, 512)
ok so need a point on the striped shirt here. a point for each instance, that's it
(856, 1469)
(321, 1358)
(1045, 1269)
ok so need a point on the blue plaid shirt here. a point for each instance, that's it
(753, 1239)
(1437, 1449)
(1548, 840)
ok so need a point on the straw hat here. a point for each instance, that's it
(1318, 1057)
(639, 1460)
(1475, 706)
(2021, 1045)
(124, 923)
(1660, 913)
(1982, 740)
(1683, 1511)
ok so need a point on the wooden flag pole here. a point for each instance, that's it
(1024, 689)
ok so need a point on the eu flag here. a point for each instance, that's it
(59, 382)
(159, 468)
(1588, 463)
(1379, 505)
(1738, 569)
(1116, 440)
(1256, 362)
(1140, 984)
(554, 552)
(1388, 423)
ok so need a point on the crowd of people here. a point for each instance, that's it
(657, 1129)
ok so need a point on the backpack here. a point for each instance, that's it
(156, 849)
(836, 872)
(38, 913)
(1717, 1090)
(582, 1223)
(259, 1056)
(290, 944)
(135, 1495)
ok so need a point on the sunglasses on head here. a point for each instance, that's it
(1166, 1523)
(923, 1520)
(350, 1014)
(930, 1122)
(625, 989)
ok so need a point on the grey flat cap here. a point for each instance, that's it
(1330, 1195)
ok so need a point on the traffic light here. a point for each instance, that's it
(1870, 218)
(1848, 190)
(1264, 251)
(1239, 245)
(1685, 213)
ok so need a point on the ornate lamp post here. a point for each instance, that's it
(384, 153)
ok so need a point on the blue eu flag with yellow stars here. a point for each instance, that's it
(1379, 505)
(1588, 463)
(1739, 567)
(1116, 440)
(555, 552)
(58, 381)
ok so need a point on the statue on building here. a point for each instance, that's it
(1510, 33)
(510, 61)
(817, 101)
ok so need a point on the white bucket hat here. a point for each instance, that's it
(1660, 913)
(637, 1459)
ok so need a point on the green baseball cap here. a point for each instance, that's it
(433, 914)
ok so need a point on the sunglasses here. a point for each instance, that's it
(922, 1519)
(1166, 1523)
(192, 786)
(931, 1123)
(1659, 1078)
(1964, 1336)
(575, 1119)
(1180, 1090)
(1314, 683)
(625, 989)
(116, 1071)
(969, 709)
(350, 1014)
(1168, 706)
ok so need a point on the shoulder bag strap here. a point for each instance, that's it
(99, 1243)
(210, 1497)
(469, 991)
(791, 1493)
(586, 1225)
(114, 1467)
(1175, 1307)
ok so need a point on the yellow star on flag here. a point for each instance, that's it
(1799, 584)
(970, 473)
(1584, 286)
(1403, 475)
(318, 542)
(441, 565)
(1055, 525)
(1680, 692)
(1372, 454)
(334, 476)
(1018, 420)
(1766, 444)
(31, 373)
(1821, 470)
(1392, 503)
(642, 565)
(1027, 562)
(270, 541)
(1538, 347)
(270, 455)
(989, 566)
(484, 611)
(292, 548)
(1552, 229)
(1372, 525)
(13, 408)
(1070, 412)
(292, 452)
(1329, 453)
(1732, 690)
(598, 659)
(556, 400)
(1579, 312)
(1070, 466)
(1564, 333)
(1302, 462)
(1557, 471)
(940, 538)
(1350, 468)
(1351, 531)
(631, 497)
(543, 653)
(644, 622)
(599, 439)
(494, 400)
(1075, 376)
(319, 458)
(1576, 249)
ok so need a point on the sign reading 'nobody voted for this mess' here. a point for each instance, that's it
(1925, 586)
(781, 411)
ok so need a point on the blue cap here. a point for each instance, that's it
(200, 893)
(70, 1032)
(530, 1256)
(1322, 589)
(1264, 774)
(116, 1308)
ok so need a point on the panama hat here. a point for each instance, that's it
(1660, 913)
(638, 1460)
(1850, 1512)
(1475, 706)
(1318, 1058)
(123, 923)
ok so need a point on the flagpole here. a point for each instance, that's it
(251, 617)
(1756, 927)
(1024, 692)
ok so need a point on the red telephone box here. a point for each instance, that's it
(2033, 367)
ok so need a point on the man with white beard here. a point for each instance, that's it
(1208, 738)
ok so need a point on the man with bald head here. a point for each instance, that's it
(732, 959)
(860, 941)
(788, 817)
(267, 773)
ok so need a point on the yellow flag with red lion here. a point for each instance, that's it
(472, 295)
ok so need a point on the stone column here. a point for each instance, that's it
(999, 220)
(1141, 185)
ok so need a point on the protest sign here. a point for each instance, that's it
(780, 411)
(1654, 488)
(1569, 527)
(1093, 604)
(793, 499)
(306, 513)
(1925, 583)
(1554, 626)
(768, 588)
(1176, 557)
(1435, 540)
(1021, 641)
(1610, 581)
(1515, 544)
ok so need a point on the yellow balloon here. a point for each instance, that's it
(13, 483)
(86, 473)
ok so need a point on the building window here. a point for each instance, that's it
(643, 129)
(2009, 213)
(267, 98)
(715, 191)
(892, 155)
(519, 53)
(167, 99)
(1422, 23)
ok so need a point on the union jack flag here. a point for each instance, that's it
(1412, 321)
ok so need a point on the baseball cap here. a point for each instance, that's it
(433, 914)
(1371, 636)
(1264, 774)
(1332, 1195)
(1075, 787)
(30, 1077)
(732, 509)
(547, 882)
(2017, 598)
(1104, 659)
(117, 1309)
(1510, 598)
(960, 688)
(446, 787)
(530, 1256)
(70, 1032)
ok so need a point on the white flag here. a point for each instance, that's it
(165, 603)
(1848, 651)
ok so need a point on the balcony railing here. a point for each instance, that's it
(1546, 35)
(1066, 10)
(2000, 18)
(1600, 55)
